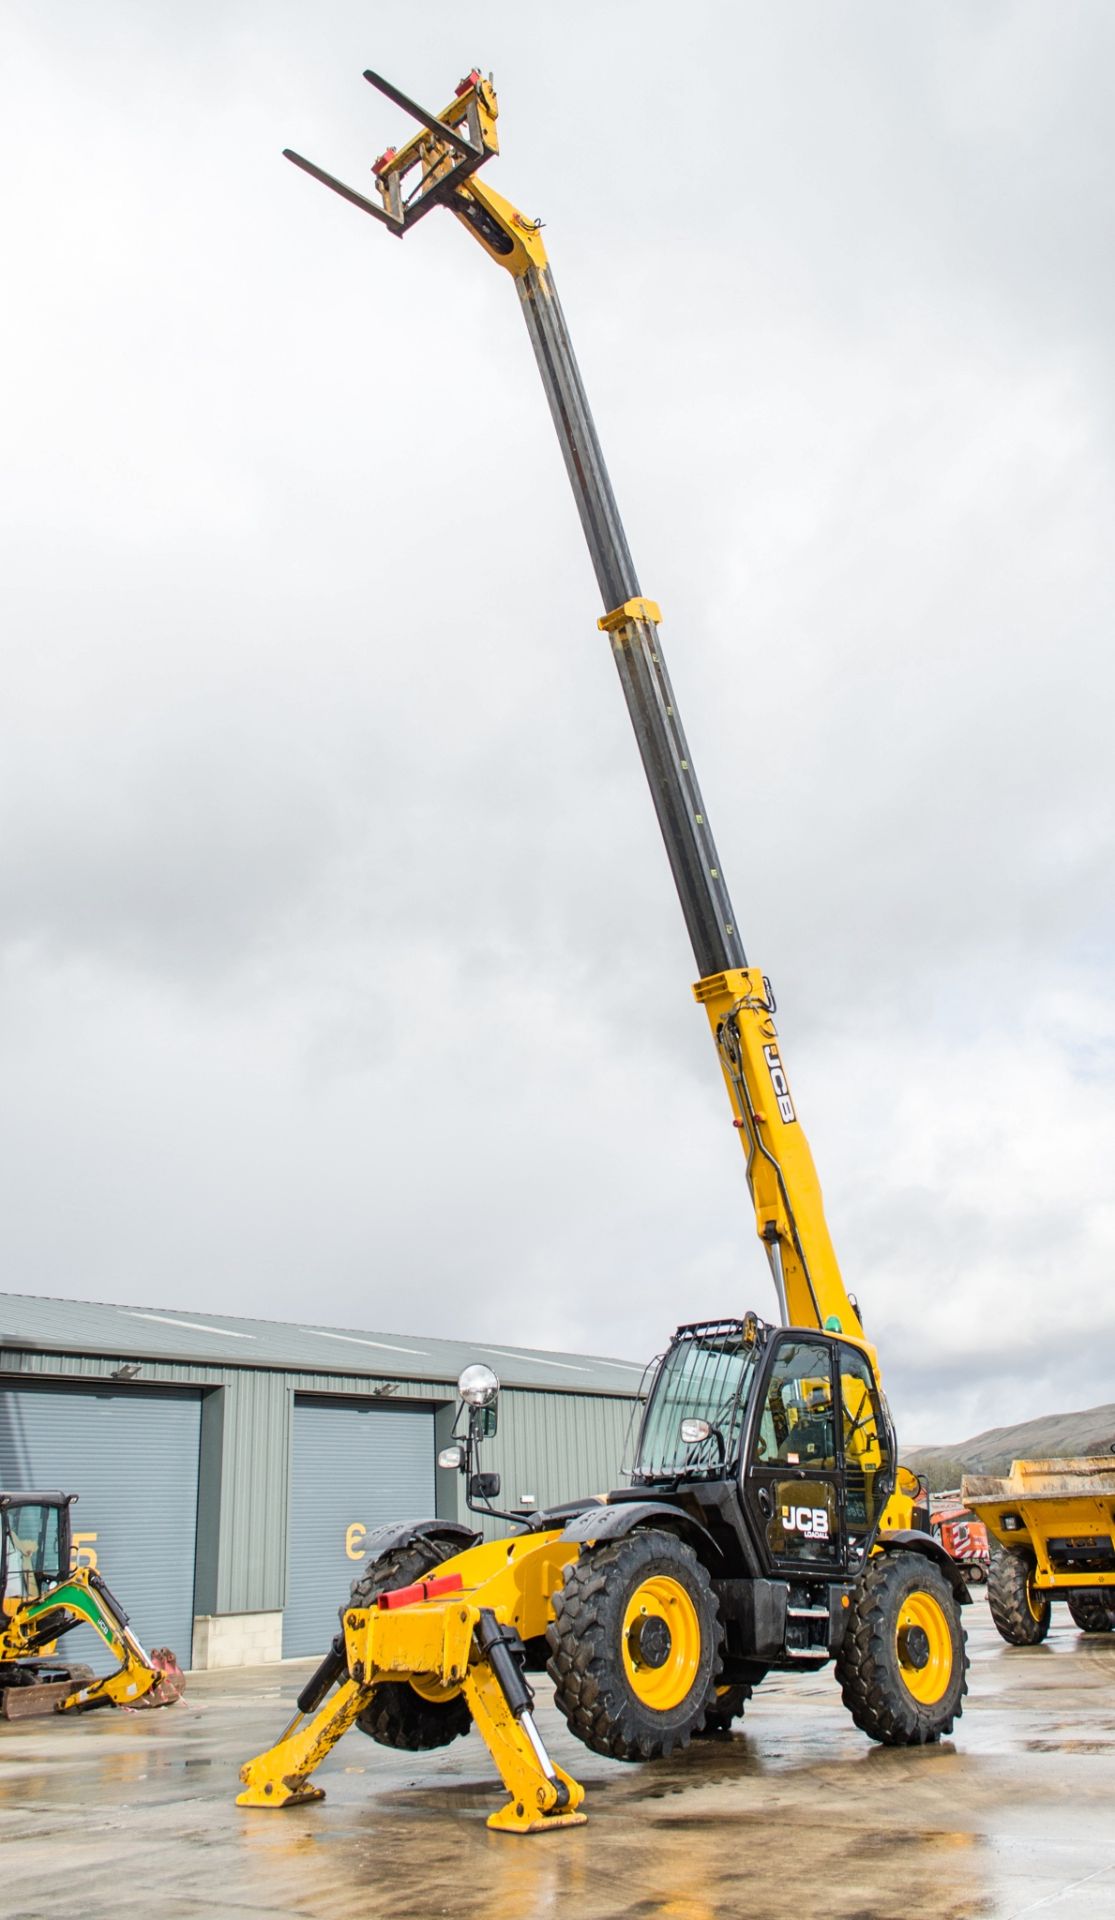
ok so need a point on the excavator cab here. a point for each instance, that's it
(34, 1545)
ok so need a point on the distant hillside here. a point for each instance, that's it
(1051, 1436)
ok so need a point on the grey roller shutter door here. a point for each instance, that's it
(355, 1465)
(132, 1457)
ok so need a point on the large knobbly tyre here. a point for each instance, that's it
(398, 1716)
(635, 1646)
(903, 1664)
(728, 1705)
(1020, 1610)
(1093, 1609)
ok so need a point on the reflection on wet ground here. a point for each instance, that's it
(132, 1815)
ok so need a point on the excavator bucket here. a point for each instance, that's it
(171, 1684)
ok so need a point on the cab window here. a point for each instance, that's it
(31, 1551)
(798, 1427)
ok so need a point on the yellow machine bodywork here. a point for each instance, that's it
(785, 1190)
(1060, 1509)
(789, 1211)
(428, 1644)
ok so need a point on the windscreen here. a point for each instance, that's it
(706, 1375)
(32, 1551)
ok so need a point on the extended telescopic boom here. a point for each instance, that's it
(438, 167)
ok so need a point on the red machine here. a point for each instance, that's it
(963, 1537)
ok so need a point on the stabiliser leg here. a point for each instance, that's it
(501, 1703)
(280, 1777)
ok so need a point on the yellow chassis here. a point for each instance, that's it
(430, 1643)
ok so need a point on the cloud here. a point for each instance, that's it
(339, 951)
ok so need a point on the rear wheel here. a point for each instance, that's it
(903, 1663)
(635, 1646)
(1093, 1609)
(1019, 1609)
(398, 1715)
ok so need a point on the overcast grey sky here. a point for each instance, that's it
(341, 965)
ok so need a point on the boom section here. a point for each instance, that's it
(438, 167)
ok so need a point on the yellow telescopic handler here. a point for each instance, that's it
(768, 1525)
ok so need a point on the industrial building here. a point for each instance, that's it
(229, 1470)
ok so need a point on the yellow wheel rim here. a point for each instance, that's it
(661, 1643)
(428, 1687)
(923, 1642)
(1033, 1598)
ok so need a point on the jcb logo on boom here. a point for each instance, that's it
(780, 1083)
(812, 1522)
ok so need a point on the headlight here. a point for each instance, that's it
(478, 1386)
(450, 1457)
(694, 1430)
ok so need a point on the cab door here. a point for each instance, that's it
(792, 1484)
(867, 1445)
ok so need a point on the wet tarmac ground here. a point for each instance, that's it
(132, 1815)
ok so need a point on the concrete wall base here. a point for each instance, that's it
(236, 1640)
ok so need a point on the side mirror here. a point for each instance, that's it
(482, 1423)
(484, 1486)
(451, 1457)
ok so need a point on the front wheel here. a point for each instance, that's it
(728, 1705)
(903, 1663)
(1020, 1610)
(398, 1715)
(1093, 1609)
(635, 1646)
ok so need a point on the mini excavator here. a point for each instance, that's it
(42, 1598)
(768, 1525)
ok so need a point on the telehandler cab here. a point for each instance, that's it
(768, 1524)
(42, 1598)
